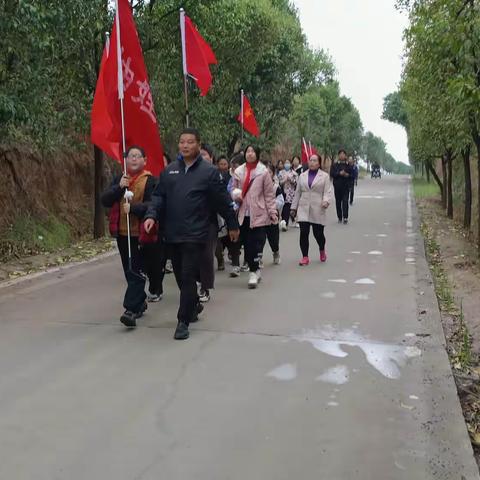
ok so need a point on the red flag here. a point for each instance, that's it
(197, 55)
(141, 126)
(247, 117)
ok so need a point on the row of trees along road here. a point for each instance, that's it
(438, 102)
(51, 50)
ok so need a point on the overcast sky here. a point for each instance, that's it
(364, 37)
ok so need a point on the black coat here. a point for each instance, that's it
(187, 200)
(339, 181)
(114, 194)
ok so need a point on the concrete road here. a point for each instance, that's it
(337, 371)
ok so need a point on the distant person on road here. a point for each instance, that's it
(342, 173)
(354, 179)
(253, 191)
(288, 182)
(312, 198)
(273, 230)
(140, 183)
(188, 191)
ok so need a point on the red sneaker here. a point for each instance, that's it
(304, 262)
(323, 256)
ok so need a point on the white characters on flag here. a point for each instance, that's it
(145, 99)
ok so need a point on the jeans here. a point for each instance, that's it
(186, 259)
(135, 294)
(318, 233)
(253, 240)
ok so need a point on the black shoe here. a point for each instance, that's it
(198, 311)
(339, 220)
(221, 267)
(181, 333)
(345, 221)
(129, 319)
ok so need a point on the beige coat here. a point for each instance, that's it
(308, 201)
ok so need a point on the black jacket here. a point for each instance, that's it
(187, 200)
(340, 181)
(115, 193)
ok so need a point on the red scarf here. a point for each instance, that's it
(246, 184)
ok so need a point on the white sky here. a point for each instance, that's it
(364, 37)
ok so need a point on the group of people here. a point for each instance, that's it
(199, 208)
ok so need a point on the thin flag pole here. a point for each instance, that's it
(305, 147)
(310, 145)
(242, 117)
(184, 65)
(128, 194)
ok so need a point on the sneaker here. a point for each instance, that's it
(323, 256)
(276, 258)
(260, 264)
(154, 297)
(168, 267)
(253, 280)
(235, 273)
(181, 333)
(129, 319)
(204, 296)
(259, 275)
(345, 221)
(283, 226)
(340, 220)
(304, 262)
(198, 311)
(245, 268)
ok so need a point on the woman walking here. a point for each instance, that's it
(253, 190)
(312, 198)
(273, 230)
(288, 181)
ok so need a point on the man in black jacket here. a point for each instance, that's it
(342, 174)
(188, 192)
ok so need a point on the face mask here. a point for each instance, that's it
(287, 167)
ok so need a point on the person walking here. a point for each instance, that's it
(297, 165)
(341, 173)
(354, 179)
(140, 183)
(288, 182)
(188, 191)
(312, 198)
(254, 192)
(273, 230)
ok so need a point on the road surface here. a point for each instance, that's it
(336, 371)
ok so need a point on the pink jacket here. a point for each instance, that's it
(260, 196)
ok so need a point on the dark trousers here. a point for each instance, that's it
(341, 199)
(155, 258)
(233, 249)
(207, 267)
(253, 240)
(286, 212)
(352, 192)
(318, 233)
(186, 259)
(273, 237)
(135, 294)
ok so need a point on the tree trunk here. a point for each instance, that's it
(467, 213)
(449, 157)
(444, 182)
(476, 137)
(99, 216)
(435, 176)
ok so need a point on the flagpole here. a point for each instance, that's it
(242, 118)
(128, 194)
(184, 65)
(305, 147)
(310, 145)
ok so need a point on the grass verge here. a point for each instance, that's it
(424, 189)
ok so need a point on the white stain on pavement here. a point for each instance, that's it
(284, 372)
(361, 296)
(356, 253)
(375, 252)
(338, 375)
(382, 235)
(387, 359)
(338, 280)
(332, 404)
(365, 281)
(328, 295)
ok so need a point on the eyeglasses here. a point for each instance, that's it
(135, 155)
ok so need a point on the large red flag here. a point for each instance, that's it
(247, 117)
(141, 126)
(197, 55)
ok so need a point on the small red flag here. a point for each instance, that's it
(141, 126)
(247, 117)
(197, 55)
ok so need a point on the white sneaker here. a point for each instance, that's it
(258, 273)
(153, 297)
(235, 272)
(245, 268)
(276, 258)
(283, 226)
(253, 280)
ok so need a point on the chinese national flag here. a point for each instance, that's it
(248, 121)
(197, 55)
(141, 126)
